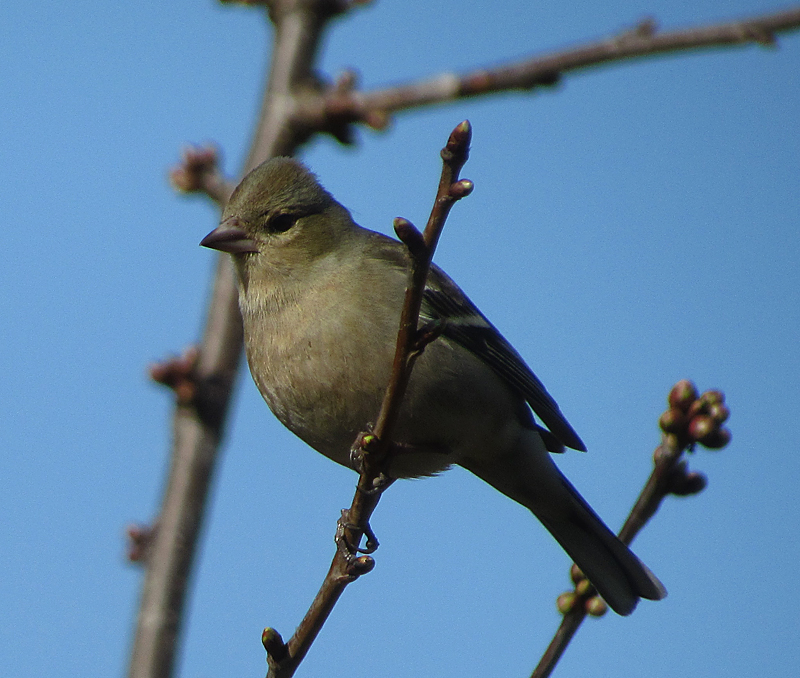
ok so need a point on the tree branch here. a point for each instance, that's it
(343, 105)
(198, 425)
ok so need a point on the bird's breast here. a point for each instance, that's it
(316, 373)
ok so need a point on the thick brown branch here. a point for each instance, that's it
(198, 425)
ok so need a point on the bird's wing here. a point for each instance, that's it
(464, 324)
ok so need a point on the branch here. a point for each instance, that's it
(421, 249)
(374, 449)
(198, 172)
(690, 420)
(341, 105)
(198, 423)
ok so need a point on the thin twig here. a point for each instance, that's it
(654, 492)
(375, 446)
(669, 476)
(454, 155)
(646, 505)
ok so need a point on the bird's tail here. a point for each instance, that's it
(617, 574)
(532, 479)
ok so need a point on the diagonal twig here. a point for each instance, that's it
(682, 430)
(375, 446)
(648, 502)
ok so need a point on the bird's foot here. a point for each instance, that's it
(349, 550)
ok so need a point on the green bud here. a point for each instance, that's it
(566, 602)
(596, 606)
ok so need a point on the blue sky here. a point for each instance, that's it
(634, 226)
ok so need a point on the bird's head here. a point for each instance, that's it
(279, 215)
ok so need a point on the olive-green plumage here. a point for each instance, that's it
(321, 298)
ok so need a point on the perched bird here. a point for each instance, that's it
(321, 299)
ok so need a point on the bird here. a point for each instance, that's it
(320, 300)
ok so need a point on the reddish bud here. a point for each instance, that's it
(716, 439)
(461, 189)
(457, 146)
(701, 426)
(712, 397)
(140, 538)
(696, 482)
(410, 235)
(461, 134)
(686, 484)
(719, 412)
(576, 574)
(583, 587)
(673, 421)
(178, 374)
(682, 395)
(187, 177)
(273, 644)
(360, 565)
(696, 408)
(368, 442)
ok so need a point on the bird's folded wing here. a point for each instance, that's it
(464, 324)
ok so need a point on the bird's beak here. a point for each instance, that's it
(230, 237)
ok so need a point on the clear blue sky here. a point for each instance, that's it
(637, 225)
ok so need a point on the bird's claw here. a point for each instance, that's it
(379, 484)
(348, 550)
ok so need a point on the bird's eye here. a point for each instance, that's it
(282, 222)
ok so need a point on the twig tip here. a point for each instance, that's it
(460, 138)
(464, 128)
(273, 644)
(461, 189)
(409, 235)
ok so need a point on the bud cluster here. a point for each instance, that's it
(694, 418)
(583, 594)
(197, 163)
